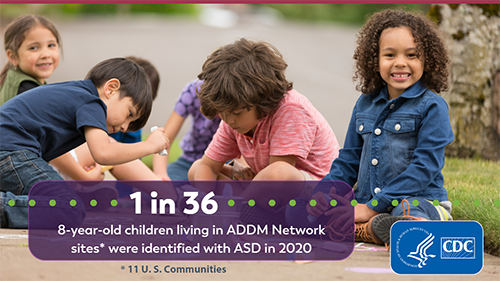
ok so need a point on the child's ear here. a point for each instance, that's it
(12, 57)
(111, 86)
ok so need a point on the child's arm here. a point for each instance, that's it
(172, 127)
(68, 165)
(208, 169)
(290, 159)
(363, 213)
(106, 152)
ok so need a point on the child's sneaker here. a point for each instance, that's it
(362, 230)
(382, 229)
(101, 192)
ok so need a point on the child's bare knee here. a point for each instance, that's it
(193, 169)
(280, 170)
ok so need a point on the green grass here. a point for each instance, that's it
(475, 185)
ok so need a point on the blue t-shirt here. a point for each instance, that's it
(49, 120)
(127, 137)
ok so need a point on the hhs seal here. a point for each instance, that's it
(437, 247)
(422, 239)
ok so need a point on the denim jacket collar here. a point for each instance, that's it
(413, 91)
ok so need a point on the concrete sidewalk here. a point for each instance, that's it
(367, 262)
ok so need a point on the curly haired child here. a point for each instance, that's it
(276, 130)
(399, 128)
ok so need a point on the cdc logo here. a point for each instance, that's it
(436, 247)
(458, 248)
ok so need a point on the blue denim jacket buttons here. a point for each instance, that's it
(395, 152)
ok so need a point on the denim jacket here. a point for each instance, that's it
(394, 149)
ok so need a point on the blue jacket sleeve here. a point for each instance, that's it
(346, 167)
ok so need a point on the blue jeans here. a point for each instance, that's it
(297, 215)
(425, 209)
(178, 171)
(19, 172)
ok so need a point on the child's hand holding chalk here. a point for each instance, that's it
(164, 151)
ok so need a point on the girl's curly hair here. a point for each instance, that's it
(428, 41)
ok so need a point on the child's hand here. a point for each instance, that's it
(363, 213)
(94, 172)
(158, 140)
(321, 205)
(242, 173)
(163, 176)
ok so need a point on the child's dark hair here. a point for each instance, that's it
(16, 33)
(134, 83)
(243, 74)
(154, 76)
(428, 41)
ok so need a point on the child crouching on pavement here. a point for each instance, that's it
(279, 133)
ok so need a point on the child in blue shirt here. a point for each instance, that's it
(48, 121)
(399, 128)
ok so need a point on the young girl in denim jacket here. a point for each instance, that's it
(399, 128)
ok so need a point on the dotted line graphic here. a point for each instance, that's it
(271, 203)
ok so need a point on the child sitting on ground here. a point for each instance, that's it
(276, 130)
(194, 142)
(399, 128)
(46, 122)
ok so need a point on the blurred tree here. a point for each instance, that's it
(10, 10)
(344, 13)
(472, 35)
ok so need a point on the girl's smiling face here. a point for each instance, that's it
(399, 65)
(38, 55)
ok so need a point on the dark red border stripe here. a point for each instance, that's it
(247, 1)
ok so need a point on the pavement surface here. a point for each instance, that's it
(367, 262)
(320, 65)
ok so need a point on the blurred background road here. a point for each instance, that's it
(319, 55)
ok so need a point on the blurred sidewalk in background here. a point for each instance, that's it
(319, 56)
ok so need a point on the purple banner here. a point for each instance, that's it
(77, 220)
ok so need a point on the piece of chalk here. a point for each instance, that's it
(103, 169)
(106, 168)
(163, 152)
